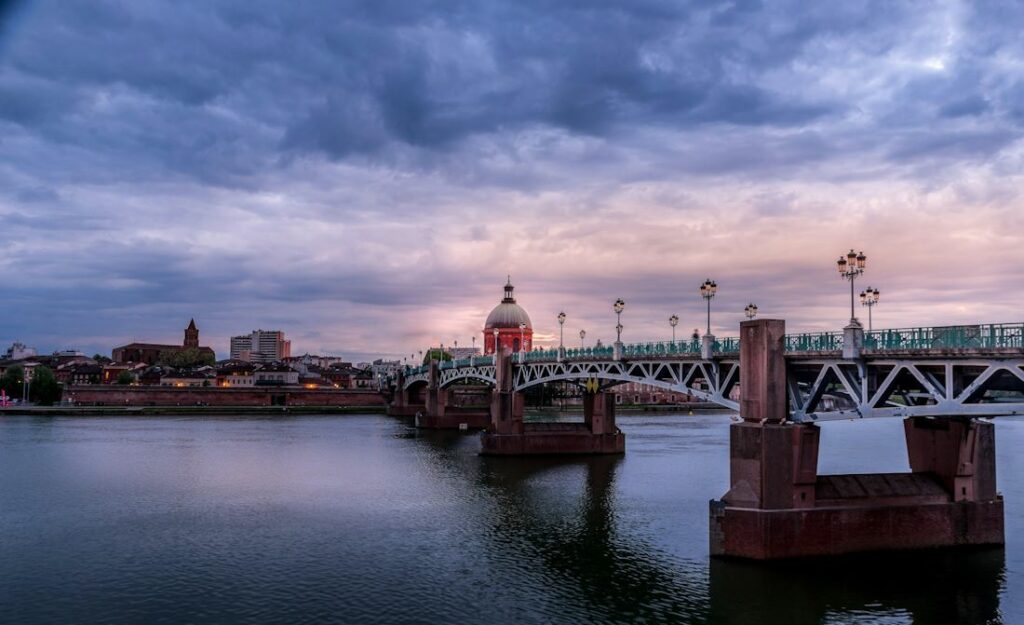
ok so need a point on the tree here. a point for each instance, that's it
(125, 378)
(12, 381)
(186, 358)
(435, 353)
(102, 360)
(45, 388)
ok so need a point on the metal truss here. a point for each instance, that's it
(708, 380)
(818, 389)
(823, 390)
(480, 373)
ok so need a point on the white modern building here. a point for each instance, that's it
(261, 346)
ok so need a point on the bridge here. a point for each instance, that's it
(939, 380)
(952, 371)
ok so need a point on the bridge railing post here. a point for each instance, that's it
(707, 347)
(853, 340)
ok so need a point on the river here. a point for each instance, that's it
(363, 519)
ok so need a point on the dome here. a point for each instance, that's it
(507, 314)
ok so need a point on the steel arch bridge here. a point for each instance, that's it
(981, 375)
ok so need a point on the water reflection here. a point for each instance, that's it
(927, 587)
(563, 514)
(560, 519)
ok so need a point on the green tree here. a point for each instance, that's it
(435, 353)
(125, 378)
(186, 358)
(11, 382)
(46, 389)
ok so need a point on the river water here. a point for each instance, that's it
(363, 519)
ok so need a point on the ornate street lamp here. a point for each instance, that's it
(618, 307)
(707, 291)
(849, 268)
(561, 329)
(673, 321)
(495, 340)
(750, 310)
(583, 335)
(522, 336)
(869, 298)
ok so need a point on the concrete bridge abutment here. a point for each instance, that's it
(509, 435)
(779, 507)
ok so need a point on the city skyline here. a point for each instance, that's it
(365, 181)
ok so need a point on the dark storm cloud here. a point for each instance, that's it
(253, 158)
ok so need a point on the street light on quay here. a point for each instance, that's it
(750, 311)
(522, 336)
(707, 291)
(673, 321)
(561, 330)
(869, 298)
(583, 335)
(849, 268)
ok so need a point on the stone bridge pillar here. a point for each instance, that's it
(401, 405)
(599, 412)
(437, 397)
(509, 435)
(506, 405)
(778, 506)
(439, 415)
(961, 454)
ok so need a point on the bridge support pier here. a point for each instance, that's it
(778, 506)
(438, 415)
(509, 435)
(400, 405)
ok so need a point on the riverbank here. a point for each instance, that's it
(226, 411)
(689, 407)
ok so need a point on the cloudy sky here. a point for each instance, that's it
(363, 175)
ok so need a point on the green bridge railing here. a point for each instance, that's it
(981, 336)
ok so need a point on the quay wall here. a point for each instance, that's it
(101, 395)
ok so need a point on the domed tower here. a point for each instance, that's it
(507, 318)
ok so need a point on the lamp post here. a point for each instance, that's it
(853, 334)
(583, 335)
(750, 311)
(561, 336)
(707, 346)
(849, 268)
(707, 291)
(869, 298)
(522, 342)
(673, 321)
(618, 307)
(495, 331)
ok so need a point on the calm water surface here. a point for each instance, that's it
(362, 519)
